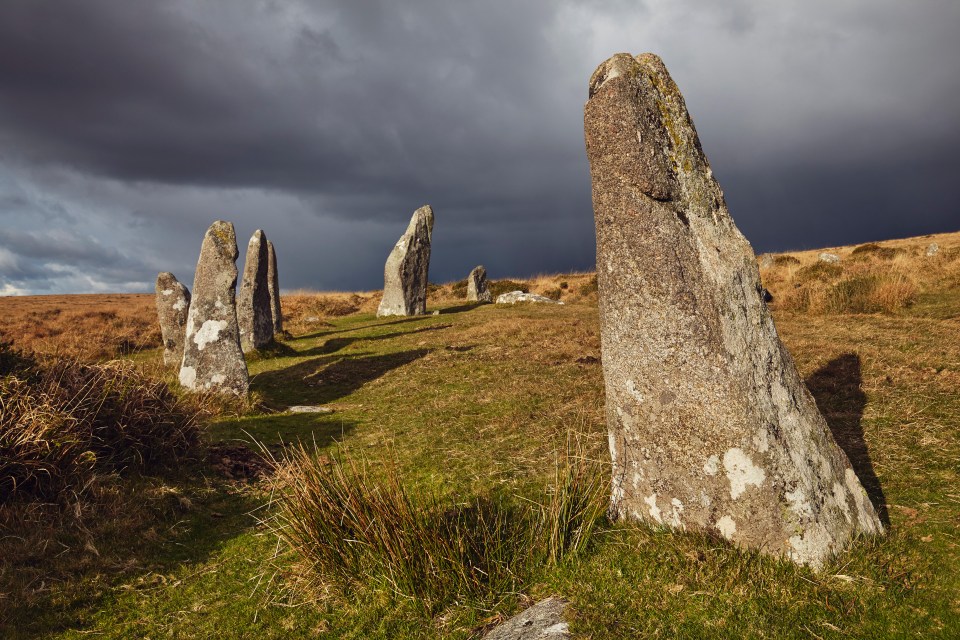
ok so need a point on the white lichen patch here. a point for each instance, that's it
(209, 332)
(712, 465)
(839, 496)
(218, 378)
(676, 510)
(188, 377)
(741, 472)
(761, 440)
(633, 391)
(637, 479)
(813, 547)
(167, 292)
(727, 527)
(798, 503)
(179, 305)
(651, 501)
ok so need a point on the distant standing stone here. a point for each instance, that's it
(542, 621)
(254, 309)
(405, 273)
(477, 290)
(710, 425)
(767, 261)
(273, 286)
(829, 257)
(212, 359)
(933, 249)
(514, 297)
(173, 305)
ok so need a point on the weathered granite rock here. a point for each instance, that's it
(273, 286)
(254, 308)
(405, 273)
(309, 408)
(514, 297)
(933, 249)
(212, 359)
(828, 257)
(542, 621)
(173, 305)
(477, 290)
(710, 425)
(767, 261)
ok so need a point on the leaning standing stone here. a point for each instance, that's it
(710, 425)
(405, 273)
(173, 305)
(254, 311)
(273, 286)
(212, 359)
(477, 290)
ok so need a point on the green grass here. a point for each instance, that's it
(479, 402)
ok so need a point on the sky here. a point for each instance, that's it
(126, 128)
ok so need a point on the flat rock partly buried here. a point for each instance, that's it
(514, 297)
(710, 425)
(212, 359)
(406, 271)
(542, 621)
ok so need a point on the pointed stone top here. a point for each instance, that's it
(424, 213)
(223, 237)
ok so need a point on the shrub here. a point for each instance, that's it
(874, 249)
(350, 529)
(785, 260)
(499, 287)
(822, 271)
(62, 423)
(459, 289)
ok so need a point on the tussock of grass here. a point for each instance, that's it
(353, 529)
(63, 422)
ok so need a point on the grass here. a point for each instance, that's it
(474, 407)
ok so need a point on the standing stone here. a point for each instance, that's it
(273, 286)
(831, 258)
(477, 290)
(405, 274)
(173, 305)
(710, 425)
(767, 261)
(254, 310)
(933, 249)
(212, 359)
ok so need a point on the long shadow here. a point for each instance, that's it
(837, 388)
(460, 308)
(320, 381)
(320, 334)
(336, 344)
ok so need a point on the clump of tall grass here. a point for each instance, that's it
(351, 528)
(62, 423)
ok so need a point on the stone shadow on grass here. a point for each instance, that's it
(837, 388)
(336, 344)
(324, 380)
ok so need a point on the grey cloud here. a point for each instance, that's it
(137, 123)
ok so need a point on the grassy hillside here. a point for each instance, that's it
(479, 403)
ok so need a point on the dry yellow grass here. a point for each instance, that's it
(869, 278)
(89, 327)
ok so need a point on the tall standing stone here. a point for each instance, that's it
(273, 286)
(212, 359)
(173, 305)
(477, 290)
(710, 425)
(254, 309)
(405, 273)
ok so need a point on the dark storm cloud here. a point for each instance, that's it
(137, 123)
